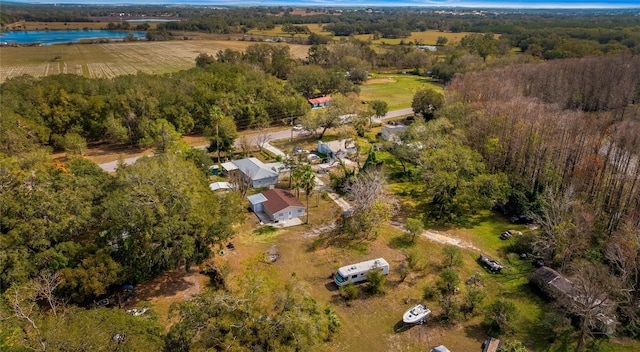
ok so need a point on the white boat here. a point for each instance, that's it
(416, 315)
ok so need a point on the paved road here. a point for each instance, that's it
(273, 136)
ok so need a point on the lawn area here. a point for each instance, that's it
(423, 38)
(277, 31)
(396, 89)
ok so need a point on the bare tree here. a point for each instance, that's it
(23, 304)
(262, 139)
(45, 284)
(566, 228)
(371, 204)
(590, 299)
(241, 182)
(246, 145)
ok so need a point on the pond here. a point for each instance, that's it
(59, 37)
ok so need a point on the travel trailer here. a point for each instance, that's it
(358, 272)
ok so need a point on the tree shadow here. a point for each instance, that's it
(475, 332)
(331, 286)
(401, 327)
(401, 242)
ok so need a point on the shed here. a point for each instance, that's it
(220, 185)
(491, 344)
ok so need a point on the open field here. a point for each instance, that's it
(113, 59)
(397, 90)
(426, 37)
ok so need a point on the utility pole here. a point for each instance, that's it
(218, 141)
(291, 138)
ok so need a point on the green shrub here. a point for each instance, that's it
(349, 292)
(430, 293)
(376, 281)
(334, 321)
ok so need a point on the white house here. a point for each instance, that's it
(336, 149)
(253, 170)
(392, 133)
(277, 205)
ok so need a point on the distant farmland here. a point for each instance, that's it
(113, 59)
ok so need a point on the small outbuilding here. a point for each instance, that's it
(441, 348)
(491, 344)
(216, 186)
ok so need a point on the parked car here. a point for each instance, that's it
(521, 219)
(505, 235)
(490, 264)
(298, 128)
(298, 150)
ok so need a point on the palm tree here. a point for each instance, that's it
(306, 179)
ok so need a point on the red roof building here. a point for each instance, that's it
(278, 204)
(321, 102)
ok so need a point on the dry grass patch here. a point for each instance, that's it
(379, 81)
(425, 38)
(168, 288)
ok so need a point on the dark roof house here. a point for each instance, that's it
(277, 205)
(556, 286)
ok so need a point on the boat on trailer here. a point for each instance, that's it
(416, 315)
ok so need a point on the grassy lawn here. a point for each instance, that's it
(396, 89)
(424, 38)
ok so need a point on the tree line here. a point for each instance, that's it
(566, 134)
(539, 32)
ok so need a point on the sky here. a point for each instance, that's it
(362, 3)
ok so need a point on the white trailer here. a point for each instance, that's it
(358, 272)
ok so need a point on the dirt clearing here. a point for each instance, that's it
(379, 81)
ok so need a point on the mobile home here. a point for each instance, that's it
(358, 272)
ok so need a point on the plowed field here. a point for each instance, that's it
(113, 59)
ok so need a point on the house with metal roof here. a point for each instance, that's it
(252, 171)
(276, 205)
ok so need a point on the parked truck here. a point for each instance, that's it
(357, 272)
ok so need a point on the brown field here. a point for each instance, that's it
(113, 59)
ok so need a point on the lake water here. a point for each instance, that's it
(59, 37)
